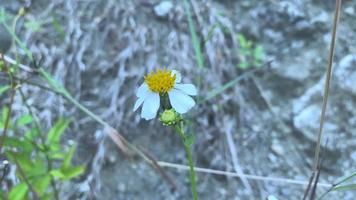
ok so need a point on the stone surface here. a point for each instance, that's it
(345, 73)
(163, 8)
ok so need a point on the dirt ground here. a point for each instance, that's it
(266, 125)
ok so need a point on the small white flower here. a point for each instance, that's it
(164, 82)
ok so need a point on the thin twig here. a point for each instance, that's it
(234, 157)
(14, 62)
(13, 92)
(234, 174)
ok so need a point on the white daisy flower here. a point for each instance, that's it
(164, 82)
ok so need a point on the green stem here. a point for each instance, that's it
(192, 174)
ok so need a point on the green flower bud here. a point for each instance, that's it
(169, 117)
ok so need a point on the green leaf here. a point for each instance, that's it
(57, 173)
(33, 25)
(41, 184)
(22, 159)
(58, 27)
(242, 41)
(18, 192)
(243, 65)
(72, 172)
(5, 112)
(68, 157)
(24, 120)
(56, 132)
(210, 32)
(48, 196)
(32, 134)
(24, 145)
(39, 167)
(68, 173)
(258, 53)
(4, 88)
(57, 155)
(345, 187)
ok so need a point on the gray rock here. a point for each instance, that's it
(307, 121)
(322, 18)
(277, 148)
(350, 10)
(345, 73)
(163, 8)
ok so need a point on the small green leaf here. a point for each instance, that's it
(32, 134)
(25, 163)
(258, 53)
(68, 173)
(72, 172)
(18, 192)
(33, 25)
(242, 41)
(4, 89)
(243, 65)
(24, 120)
(210, 32)
(48, 196)
(57, 173)
(57, 155)
(58, 27)
(41, 184)
(5, 111)
(68, 157)
(345, 187)
(24, 145)
(39, 167)
(56, 132)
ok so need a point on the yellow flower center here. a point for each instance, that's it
(160, 81)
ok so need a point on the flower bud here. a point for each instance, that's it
(169, 117)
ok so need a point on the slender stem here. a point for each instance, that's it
(13, 92)
(192, 174)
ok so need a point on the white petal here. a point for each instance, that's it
(187, 88)
(178, 76)
(138, 103)
(142, 91)
(150, 106)
(180, 101)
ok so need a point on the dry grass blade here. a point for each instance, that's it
(326, 95)
(117, 139)
(327, 83)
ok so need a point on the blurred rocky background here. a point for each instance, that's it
(265, 125)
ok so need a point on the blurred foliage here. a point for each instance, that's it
(250, 55)
(41, 161)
